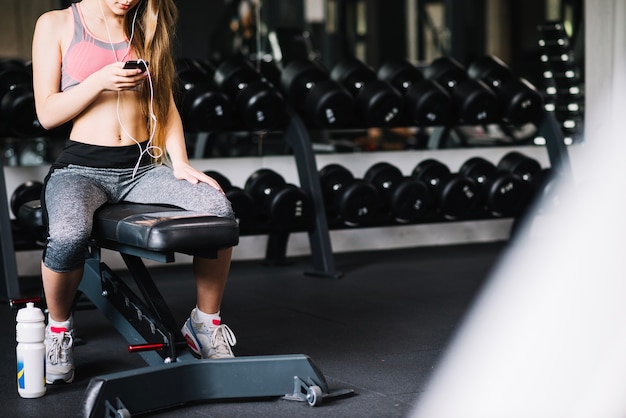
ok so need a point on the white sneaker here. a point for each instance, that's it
(209, 341)
(59, 355)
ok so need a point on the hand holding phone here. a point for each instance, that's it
(130, 65)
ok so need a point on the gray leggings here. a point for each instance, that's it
(73, 194)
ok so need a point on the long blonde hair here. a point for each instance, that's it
(153, 41)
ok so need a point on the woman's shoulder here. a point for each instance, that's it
(55, 19)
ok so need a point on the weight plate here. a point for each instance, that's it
(508, 195)
(432, 172)
(379, 104)
(223, 181)
(429, 104)
(243, 205)
(25, 192)
(459, 197)
(290, 207)
(263, 184)
(261, 107)
(410, 201)
(358, 203)
(329, 105)
(334, 179)
(480, 170)
(520, 165)
(401, 74)
(475, 103)
(385, 177)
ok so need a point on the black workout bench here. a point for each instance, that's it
(173, 375)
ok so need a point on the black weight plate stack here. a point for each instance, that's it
(457, 195)
(353, 201)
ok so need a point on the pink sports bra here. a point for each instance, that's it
(87, 54)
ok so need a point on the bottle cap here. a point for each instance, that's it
(30, 313)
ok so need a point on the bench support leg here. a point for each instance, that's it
(173, 376)
(168, 385)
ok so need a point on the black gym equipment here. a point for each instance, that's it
(258, 104)
(456, 195)
(503, 193)
(17, 102)
(426, 102)
(519, 101)
(520, 165)
(474, 102)
(25, 192)
(351, 201)
(241, 201)
(406, 199)
(324, 103)
(284, 205)
(378, 103)
(202, 106)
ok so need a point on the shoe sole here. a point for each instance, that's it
(60, 379)
(192, 343)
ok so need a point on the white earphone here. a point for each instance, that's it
(149, 147)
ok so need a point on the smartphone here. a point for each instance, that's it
(129, 65)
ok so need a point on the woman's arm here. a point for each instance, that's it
(177, 150)
(54, 108)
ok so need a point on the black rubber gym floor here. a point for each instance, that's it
(379, 330)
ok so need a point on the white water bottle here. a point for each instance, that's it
(31, 352)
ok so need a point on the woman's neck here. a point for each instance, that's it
(102, 21)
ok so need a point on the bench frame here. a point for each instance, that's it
(173, 375)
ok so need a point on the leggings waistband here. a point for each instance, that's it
(99, 156)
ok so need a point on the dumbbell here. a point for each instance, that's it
(17, 102)
(519, 101)
(202, 106)
(406, 199)
(520, 165)
(455, 194)
(24, 193)
(474, 102)
(285, 205)
(324, 102)
(257, 102)
(241, 201)
(378, 103)
(503, 193)
(426, 102)
(350, 200)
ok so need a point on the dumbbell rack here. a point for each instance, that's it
(298, 137)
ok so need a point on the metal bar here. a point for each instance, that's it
(8, 264)
(297, 135)
(558, 153)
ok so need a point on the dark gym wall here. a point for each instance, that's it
(197, 25)
(466, 22)
(386, 31)
(203, 29)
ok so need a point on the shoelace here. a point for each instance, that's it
(60, 343)
(223, 338)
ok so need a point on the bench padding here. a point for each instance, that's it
(160, 228)
(152, 227)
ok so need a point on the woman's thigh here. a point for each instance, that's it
(159, 186)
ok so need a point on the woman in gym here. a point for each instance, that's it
(126, 143)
